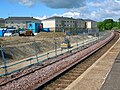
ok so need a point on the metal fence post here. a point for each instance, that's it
(61, 50)
(3, 59)
(55, 47)
(83, 40)
(77, 42)
(47, 55)
(35, 51)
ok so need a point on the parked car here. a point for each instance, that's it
(11, 32)
(26, 33)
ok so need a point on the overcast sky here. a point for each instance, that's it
(89, 9)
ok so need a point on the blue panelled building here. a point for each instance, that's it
(2, 31)
(35, 27)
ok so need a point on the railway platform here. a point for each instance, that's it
(113, 80)
(104, 74)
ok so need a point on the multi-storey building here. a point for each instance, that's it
(20, 22)
(63, 24)
(90, 24)
(91, 27)
(2, 22)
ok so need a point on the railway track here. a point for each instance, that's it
(36, 77)
(65, 79)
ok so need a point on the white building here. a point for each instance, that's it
(19, 22)
(63, 23)
(90, 24)
(91, 27)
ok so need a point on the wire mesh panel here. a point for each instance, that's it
(18, 54)
(27, 51)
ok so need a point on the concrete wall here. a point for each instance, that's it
(91, 25)
(49, 24)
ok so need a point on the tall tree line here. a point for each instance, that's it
(109, 24)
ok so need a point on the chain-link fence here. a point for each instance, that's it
(19, 54)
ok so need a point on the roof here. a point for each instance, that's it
(21, 18)
(89, 20)
(57, 17)
(2, 20)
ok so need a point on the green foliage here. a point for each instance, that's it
(109, 24)
(115, 24)
(100, 25)
(108, 21)
(119, 23)
(115, 28)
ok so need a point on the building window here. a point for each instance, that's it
(23, 22)
(30, 25)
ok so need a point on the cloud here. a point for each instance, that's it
(28, 3)
(97, 10)
(106, 9)
(107, 4)
(55, 3)
(64, 3)
(92, 9)
(68, 14)
(41, 18)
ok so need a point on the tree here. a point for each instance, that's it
(108, 26)
(119, 22)
(100, 25)
(108, 23)
(115, 24)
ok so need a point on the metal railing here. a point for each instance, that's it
(7, 69)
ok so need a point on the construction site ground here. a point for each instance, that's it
(43, 56)
(17, 48)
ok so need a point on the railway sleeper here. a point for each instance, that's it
(68, 78)
(62, 86)
(74, 72)
(71, 74)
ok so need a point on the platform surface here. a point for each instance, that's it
(113, 80)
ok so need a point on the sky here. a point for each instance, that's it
(85, 9)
